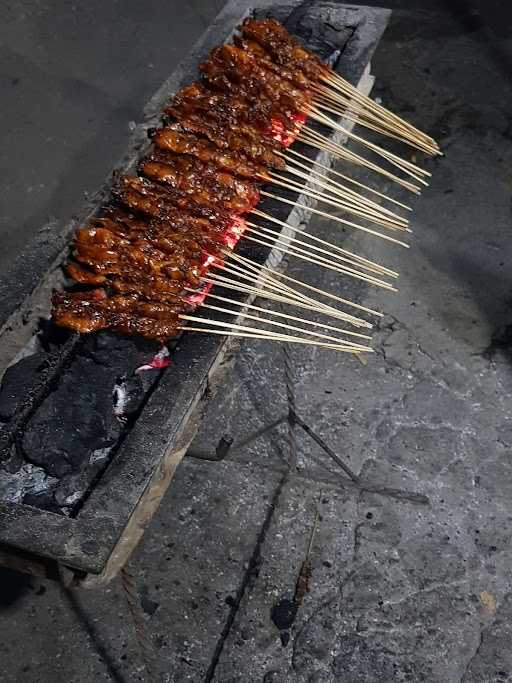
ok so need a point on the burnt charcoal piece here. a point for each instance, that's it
(314, 25)
(17, 381)
(322, 34)
(43, 501)
(279, 12)
(77, 419)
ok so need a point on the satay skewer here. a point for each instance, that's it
(334, 218)
(340, 190)
(302, 255)
(280, 314)
(314, 139)
(342, 105)
(340, 84)
(314, 162)
(362, 213)
(275, 234)
(371, 265)
(405, 166)
(242, 315)
(237, 285)
(268, 336)
(271, 274)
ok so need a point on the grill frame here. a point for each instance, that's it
(111, 521)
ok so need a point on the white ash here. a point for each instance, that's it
(28, 479)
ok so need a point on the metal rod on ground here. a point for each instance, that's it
(400, 494)
(146, 648)
(326, 448)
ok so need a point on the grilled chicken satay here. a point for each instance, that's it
(184, 164)
(191, 242)
(141, 257)
(282, 47)
(228, 134)
(229, 80)
(174, 138)
(95, 310)
(230, 107)
(229, 63)
(168, 170)
(224, 108)
(144, 196)
(233, 126)
(179, 226)
(243, 62)
(286, 71)
(139, 260)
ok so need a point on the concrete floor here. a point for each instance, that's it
(399, 591)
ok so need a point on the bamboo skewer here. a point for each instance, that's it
(335, 81)
(368, 214)
(337, 173)
(271, 337)
(257, 268)
(345, 106)
(242, 315)
(266, 232)
(350, 115)
(349, 197)
(290, 295)
(341, 85)
(400, 162)
(280, 314)
(336, 188)
(237, 286)
(314, 139)
(279, 288)
(296, 187)
(334, 218)
(245, 328)
(405, 166)
(322, 262)
(371, 265)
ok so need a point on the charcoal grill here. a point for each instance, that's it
(56, 403)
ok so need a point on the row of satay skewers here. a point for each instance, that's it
(169, 235)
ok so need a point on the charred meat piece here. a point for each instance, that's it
(226, 106)
(190, 178)
(233, 137)
(159, 202)
(282, 47)
(286, 71)
(179, 231)
(242, 84)
(243, 71)
(175, 139)
(142, 256)
(183, 165)
(124, 314)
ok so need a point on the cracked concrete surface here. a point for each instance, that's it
(399, 591)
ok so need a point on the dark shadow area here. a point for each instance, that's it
(93, 635)
(13, 586)
(482, 18)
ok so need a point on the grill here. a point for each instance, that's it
(87, 445)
